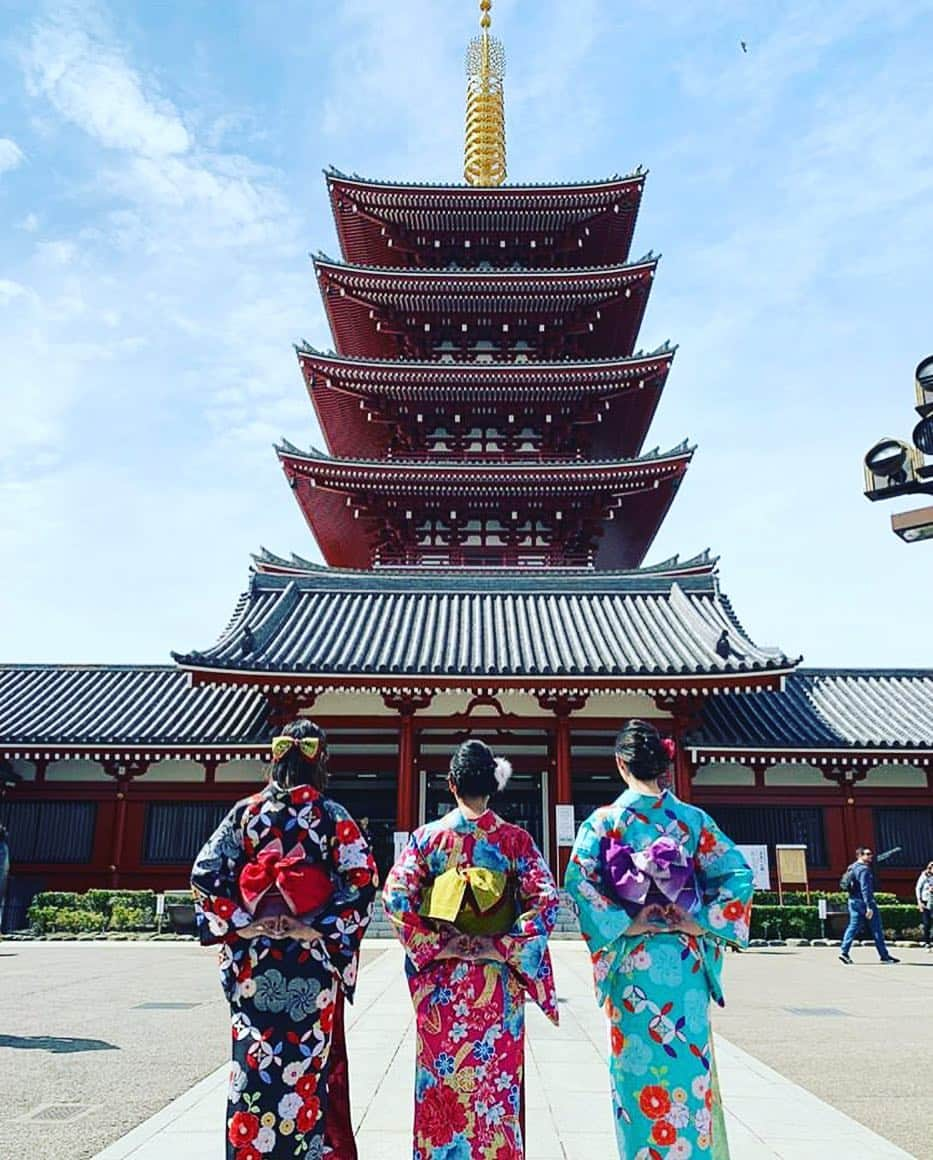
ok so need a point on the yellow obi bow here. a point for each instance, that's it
(476, 900)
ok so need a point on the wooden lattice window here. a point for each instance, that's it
(176, 831)
(911, 828)
(50, 831)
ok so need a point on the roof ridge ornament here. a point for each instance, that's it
(484, 151)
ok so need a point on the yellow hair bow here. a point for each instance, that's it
(309, 746)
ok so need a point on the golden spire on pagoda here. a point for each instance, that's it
(484, 155)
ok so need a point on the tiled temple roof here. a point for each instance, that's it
(826, 709)
(123, 705)
(479, 626)
(111, 706)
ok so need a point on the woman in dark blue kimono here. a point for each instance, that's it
(285, 885)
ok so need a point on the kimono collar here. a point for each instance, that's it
(631, 797)
(485, 821)
(297, 795)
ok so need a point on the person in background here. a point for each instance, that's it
(863, 907)
(660, 891)
(285, 886)
(4, 867)
(925, 904)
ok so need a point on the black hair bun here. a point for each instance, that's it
(475, 770)
(647, 755)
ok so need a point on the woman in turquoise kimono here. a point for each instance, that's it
(660, 891)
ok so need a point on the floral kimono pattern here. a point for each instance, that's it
(283, 993)
(470, 1012)
(656, 989)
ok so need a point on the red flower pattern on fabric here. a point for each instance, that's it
(442, 1114)
(308, 1114)
(663, 1132)
(243, 1128)
(654, 1102)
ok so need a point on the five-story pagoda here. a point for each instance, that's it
(485, 503)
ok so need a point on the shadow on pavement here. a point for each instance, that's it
(59, 1045)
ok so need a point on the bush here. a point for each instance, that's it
(96, 910)
(130, 918)
(804, 922)
(835, 898)
(79, 921)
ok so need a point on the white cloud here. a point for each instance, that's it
(60, 253)
(11, 156)
(29, 224)
(91, 85)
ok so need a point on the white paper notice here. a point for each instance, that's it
(757, 858)
(401, 841)
(564, 825)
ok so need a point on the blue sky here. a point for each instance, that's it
(160, 188)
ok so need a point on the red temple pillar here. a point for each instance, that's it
(562, 707)
(685, 710)
(124, 776)
(406, 789)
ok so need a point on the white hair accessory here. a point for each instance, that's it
(503, 772)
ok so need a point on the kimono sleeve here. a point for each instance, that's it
(602, 919)
(214, 882)
(402, 895)
(726, 885)
(524, 946)
(343, 919)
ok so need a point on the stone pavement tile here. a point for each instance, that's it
(586, 1146)
(384, 1145)
(568, 1110)
(745, 1145)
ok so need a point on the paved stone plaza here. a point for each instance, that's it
(83, 1026)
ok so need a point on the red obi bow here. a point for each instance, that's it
(305, 886)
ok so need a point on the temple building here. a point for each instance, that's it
(484, 504)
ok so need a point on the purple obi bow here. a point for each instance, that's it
(660, 873)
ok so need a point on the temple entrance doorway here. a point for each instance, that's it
(372, 796)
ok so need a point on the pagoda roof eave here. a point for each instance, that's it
(480, 192)
(314, 461)
(408, 377)
(621, 271)
(702, 564)
(277, 632)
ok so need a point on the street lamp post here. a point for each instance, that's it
(894, 468)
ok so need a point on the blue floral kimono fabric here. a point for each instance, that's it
(283, 993)
(656, 989)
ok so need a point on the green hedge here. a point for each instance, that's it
(833, 897)
(804, 922)
(94, 911)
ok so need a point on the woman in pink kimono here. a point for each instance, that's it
(473, 902)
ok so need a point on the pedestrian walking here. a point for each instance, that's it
(4, 867)
(660, 891)
(858, 882)
(925, 904)
(285, 886)
(473, 903)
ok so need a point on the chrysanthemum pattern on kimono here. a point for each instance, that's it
(283, 993)
(655, 990)
(470, 1013)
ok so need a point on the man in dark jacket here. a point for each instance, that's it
(4, 867)
(863, 907)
